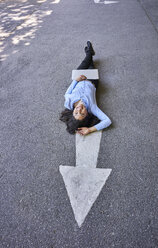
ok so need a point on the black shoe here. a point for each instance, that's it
(86, 49)
(90, 47)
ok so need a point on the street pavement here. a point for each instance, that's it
(41, 42)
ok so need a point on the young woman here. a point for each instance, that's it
(81, 113)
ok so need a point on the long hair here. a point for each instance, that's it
(72, 124)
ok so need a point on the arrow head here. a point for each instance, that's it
(83, 186)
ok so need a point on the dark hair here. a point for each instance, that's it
(73, 124)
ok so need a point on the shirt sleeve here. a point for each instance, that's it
(71, 87)
(68, 94)
(104, 119)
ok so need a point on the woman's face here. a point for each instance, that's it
(80, 112)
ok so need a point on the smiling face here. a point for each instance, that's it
(80, 111)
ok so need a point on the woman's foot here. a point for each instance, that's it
(89, 47)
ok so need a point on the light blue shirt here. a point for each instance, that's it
(85, 91)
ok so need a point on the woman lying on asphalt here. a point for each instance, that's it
(81, 113)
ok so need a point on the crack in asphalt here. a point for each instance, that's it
(148, 16)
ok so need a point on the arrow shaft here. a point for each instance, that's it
(110, 2)
(87, 149)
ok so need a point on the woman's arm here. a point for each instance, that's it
(71, 87)
(104, 119)
(73, 84)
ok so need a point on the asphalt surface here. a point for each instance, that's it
(42, 41)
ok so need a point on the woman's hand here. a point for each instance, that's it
(81, 78)
(83, 130)
(86, 130)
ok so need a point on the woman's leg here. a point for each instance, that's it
(94, 81)
(91, 66)
(86, 62)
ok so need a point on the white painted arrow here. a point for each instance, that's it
(105, 2)
(84, 182)
(110, 2)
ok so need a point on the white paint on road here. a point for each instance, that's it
(55, 1)
(105, 2)
(89, 73)
(83, 187)
(110, 2)
(84, 182)
(87, 149)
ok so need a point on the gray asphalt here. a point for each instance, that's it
(42, 41)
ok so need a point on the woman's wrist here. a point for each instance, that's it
(92, 129)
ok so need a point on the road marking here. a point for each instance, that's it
(84, 182)
(105, 2)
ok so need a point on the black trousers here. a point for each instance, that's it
(87, 63)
